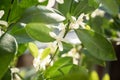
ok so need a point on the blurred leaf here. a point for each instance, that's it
(96, 44)
(18, 7)
(84, 6)
(55, 70)
(39, 32)
(8, 48)
(20, 34)
(76, 73)
(111, 6)
(65, 8)
(27, 3)
(67, 47)
(89, 60)
(7, 75)
(94, 76)
(106, 77)
(41, 14)
(97, 24)
(22, 48)
(33, 49)
(4, 6)
(45, 53)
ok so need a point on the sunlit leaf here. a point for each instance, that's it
(33, 49)
(106, 77)
(55, 70)
(41, 14)
(94, 76)
(45, 53)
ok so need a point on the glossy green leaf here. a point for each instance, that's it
(111, 6)
(45, 53)
(96, 44)
(41, 14)
(8, 48)
(39, 32)
(55, 70)
(33, 49)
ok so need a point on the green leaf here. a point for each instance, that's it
(4, 6)
(41, 14)
(21, 49)
(55, 70)
(89, 61)
(39, 32)
(65, 8)
(8, 48)
(45, 53)
(18, 7)
(96, 44)
(20, 34)
(76, 73)
(111, 6)
(84, 6)
(33, 49)
(7, 75)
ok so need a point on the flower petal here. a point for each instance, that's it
(1, 13)
(4, 23)
(41, 1)
(51, 3)
(60, 1)
(61, 34)
(52, 34)
(60, 46)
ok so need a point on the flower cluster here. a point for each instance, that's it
(39, 63)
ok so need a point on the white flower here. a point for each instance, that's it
(74, 54)
(51, 3)
(59, 38)
(2, 22)
(98, 12)
(14, 70)
(41, 1)
(75, 23)
(39, 63)
(23, 24)
(14, 75)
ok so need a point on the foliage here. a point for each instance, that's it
(91, 24)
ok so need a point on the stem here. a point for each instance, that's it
(67, 30)
(9, 11)
(54, 55)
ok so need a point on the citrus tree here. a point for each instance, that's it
(77, 35)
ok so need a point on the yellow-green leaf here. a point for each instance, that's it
(33, 49)
(45, 53)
